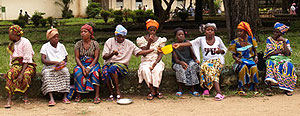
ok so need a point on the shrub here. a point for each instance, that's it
(93, 9)
(118, 15)
(50, 20)
(128, 14)
(66, 11)
(21, 23)
(105, 14)
(140, 16)
(149, 15)
(43, 22)
(36, 17)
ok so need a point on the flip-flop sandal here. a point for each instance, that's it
(219, 97)
(196, 94)
(241, 93)
(119, 97)
(97, 100)
(206, 93)
(289, 93)
(160, 96)
(8, 105)
(269, 92)
(77, 98)
(26, 101)
(256, 93)
(111, 98)
(179, 94)
(66, 101)
(51, 103)
(150, 96)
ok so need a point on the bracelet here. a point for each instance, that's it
(88, 67)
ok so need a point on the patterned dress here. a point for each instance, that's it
(85, 84)
(280, 70)
(144, 73)
(247, 73)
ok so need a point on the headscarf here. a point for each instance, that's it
(245, 26)
(51, 32)
(120, 30)
(90, 29)
(203, 27)
(151, 22)
(16, 29)
(281, 27)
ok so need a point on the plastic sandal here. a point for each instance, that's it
(77, 98)
(119, 97)
(111, 98)
(26, 101)
(195, 93)
(51, 103)
(66, 101)
(241, 93)
(97, 100)
(8, 105)
(219, 97)
(288, 93)
(150, 96)
(205, 93)
(256, 93)
(179, 94)
(159, 96)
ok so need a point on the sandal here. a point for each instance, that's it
(195, 93)
(269, 92)
(97, 100)
(26, 101)
(8, 105)
(66, 101)
(206, 93)
(159, 96)
(111, 98)
(288, 93)
(219, 97)
(179, 94)
(77, 98)
(241, 93)
(150, 96)
(51, 103)
(256, 93)
(119, 97)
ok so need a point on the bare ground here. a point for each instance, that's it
(277, 105)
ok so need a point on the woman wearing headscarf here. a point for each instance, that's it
(56, 77)
(212, 49)
(280, 71)
(243, 50)
(22, 65)
(117, 53)
(87, 71)
(151, 67)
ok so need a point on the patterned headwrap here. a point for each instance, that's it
(120, 30)
(51, 32)
(90, 29)
(16, 29)
(245, 26)
(281, 27)
(151, 22)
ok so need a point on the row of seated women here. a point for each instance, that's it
(117, 52)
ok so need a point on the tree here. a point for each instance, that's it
(241, 10)
(198, 12)
(212, 10)
(161, 13)
(66, 11)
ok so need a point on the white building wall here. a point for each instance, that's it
(47, 6)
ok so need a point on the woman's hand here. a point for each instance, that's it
(19, 79)
(184, 65)
(151, 38)
(84, 71)
(115, 52)
(256, 59)
(198, 62)
(239, 60)
(154, 64)
(175, 45)
(280, 39)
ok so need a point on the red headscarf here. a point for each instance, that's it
(90, 29)
(245, 26)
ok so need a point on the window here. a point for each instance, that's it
(119, 4)
(139, 4)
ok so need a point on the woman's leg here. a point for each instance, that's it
(116, 81)
(109, 86)
(96, 91)
(51, 97)
(180, 86)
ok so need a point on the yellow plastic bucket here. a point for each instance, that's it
(167, 49)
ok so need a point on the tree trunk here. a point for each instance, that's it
(212, 10)
(198, 12)
(285, 6)
(241, 10)
(161, 13)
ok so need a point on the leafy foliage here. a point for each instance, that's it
(93, 9)
(66, 11)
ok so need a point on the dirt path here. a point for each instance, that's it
(278, 105)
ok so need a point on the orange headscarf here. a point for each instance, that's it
(151, 22)
(245, 26)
